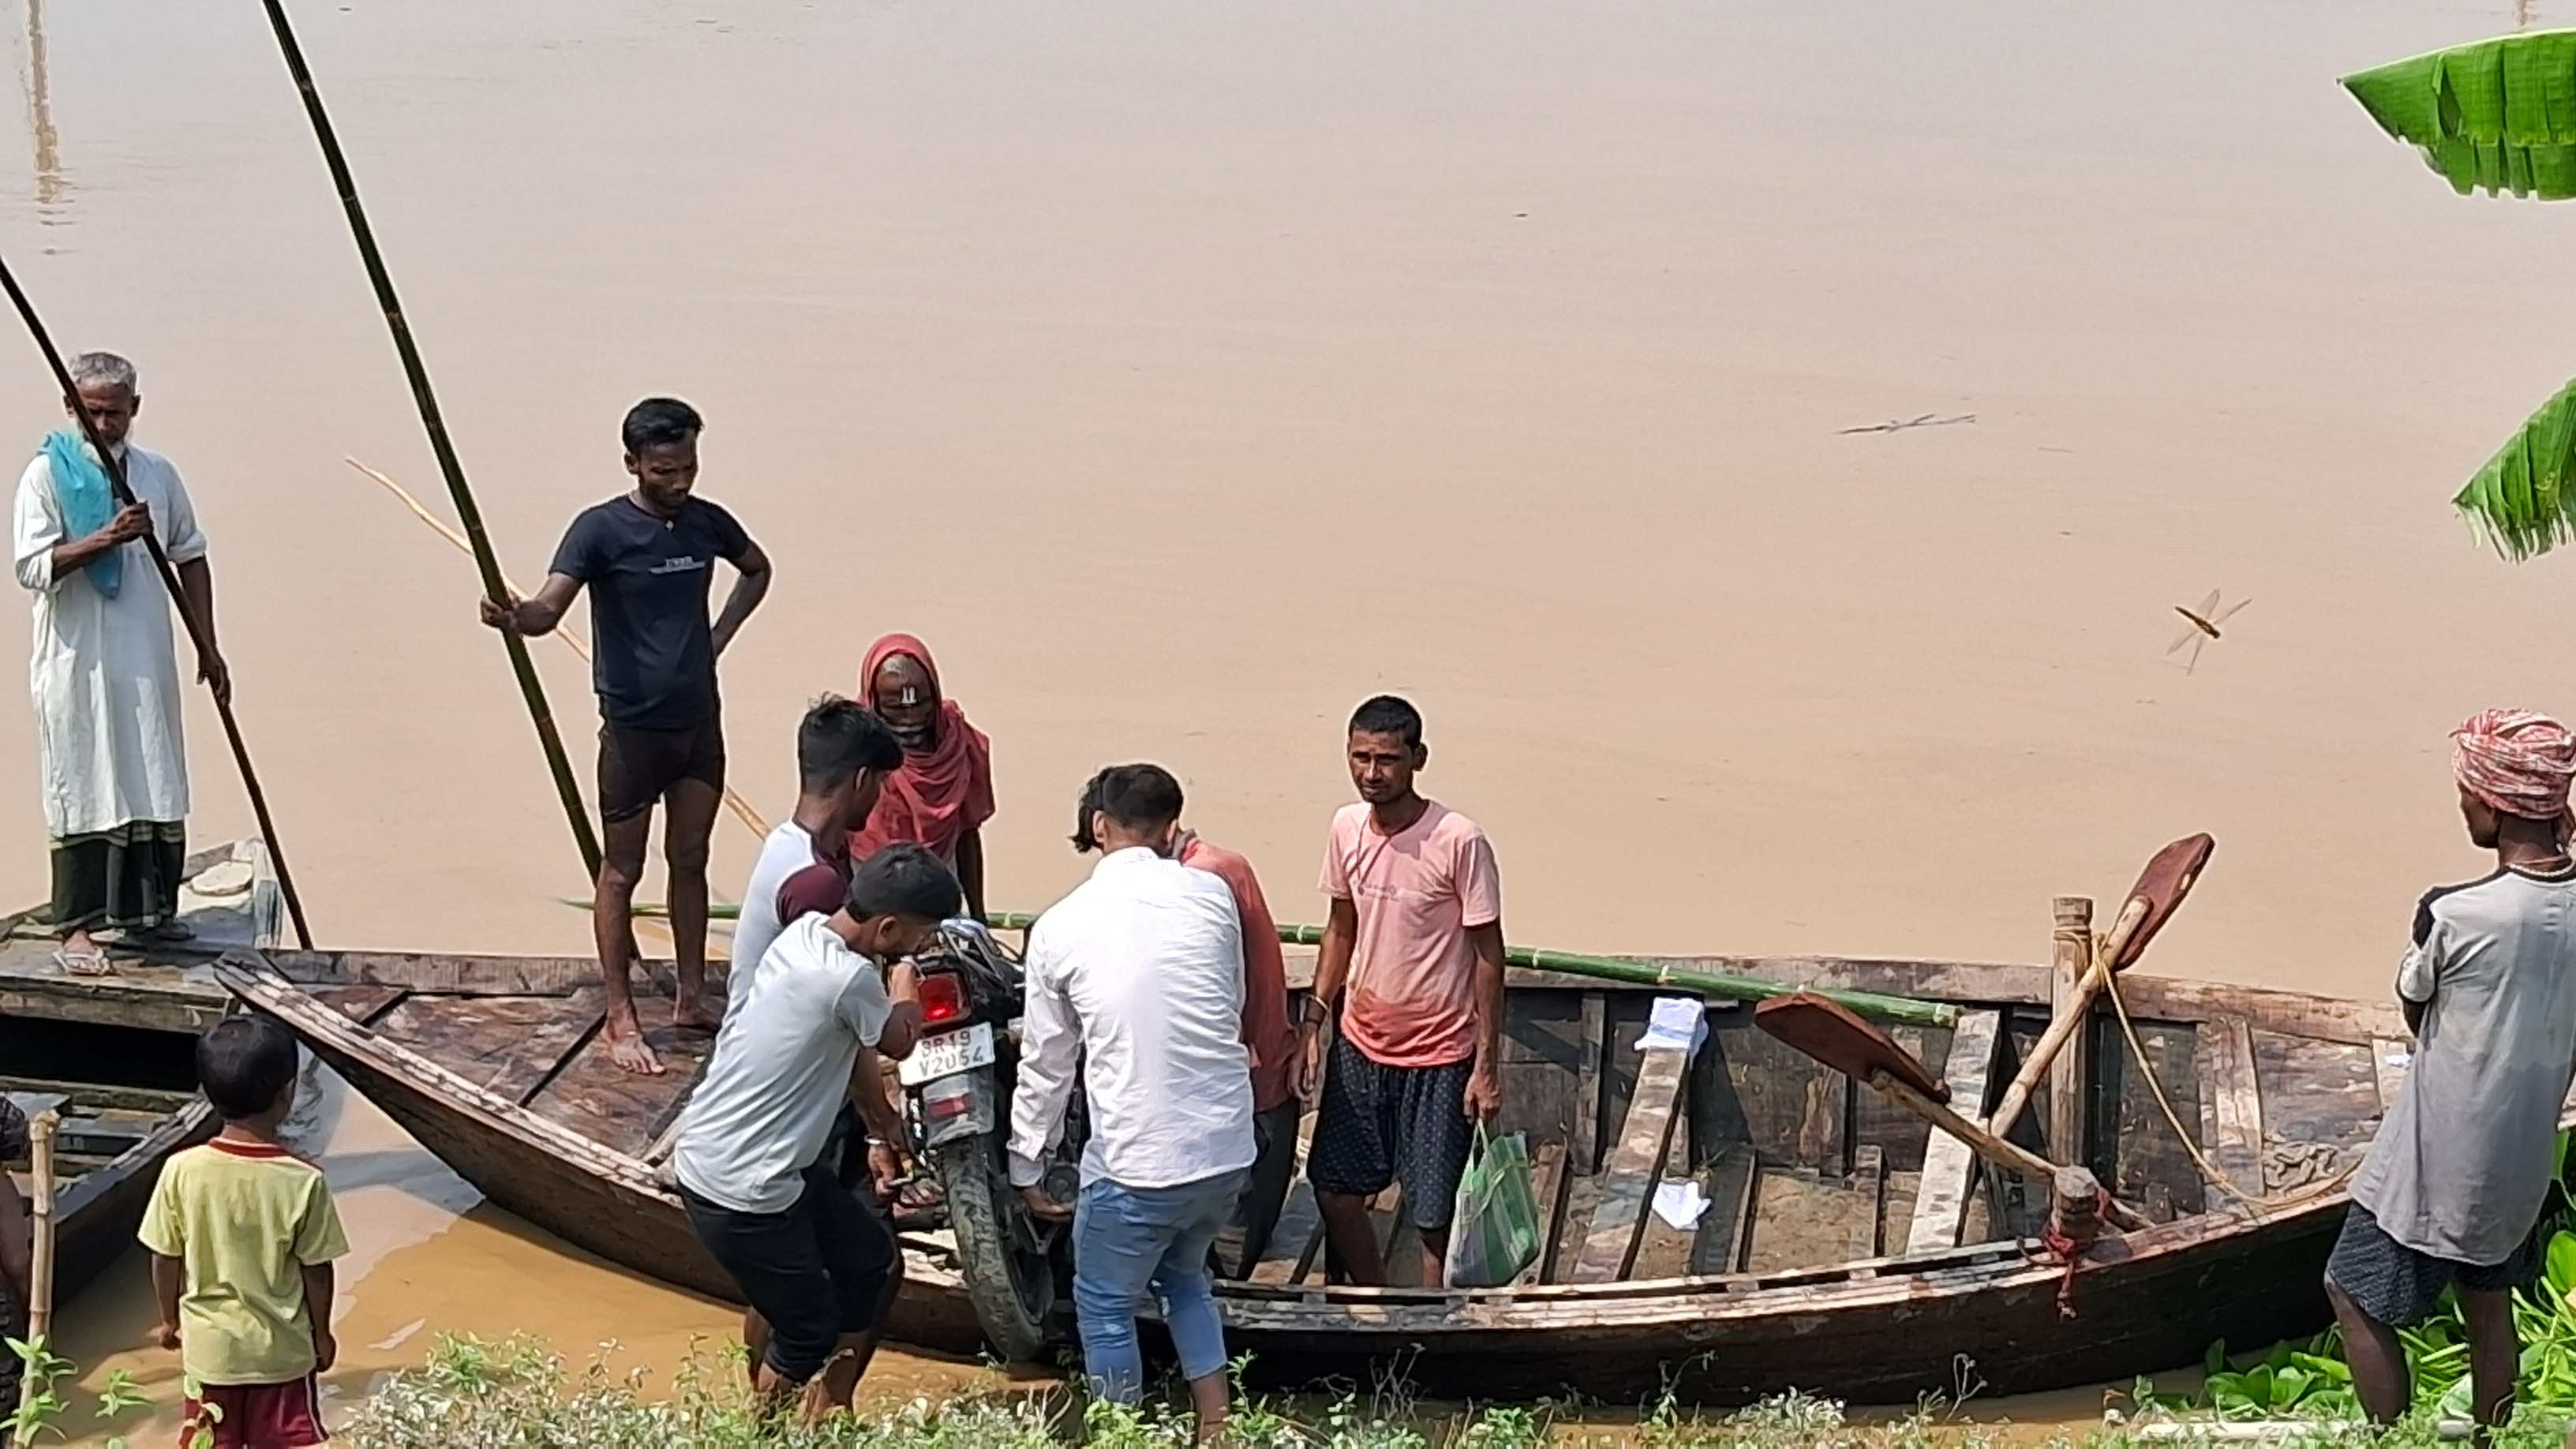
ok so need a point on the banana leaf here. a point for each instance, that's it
(2495, 115)
(2523, 501)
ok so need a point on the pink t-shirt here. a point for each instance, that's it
(1411, 999)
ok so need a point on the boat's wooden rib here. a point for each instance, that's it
(1633, 1169)
(1724, 1233)
(2234, 1101)
(1949, 1167)
(1798, 1275)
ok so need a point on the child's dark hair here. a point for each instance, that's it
(903, 880)
(245, 1063)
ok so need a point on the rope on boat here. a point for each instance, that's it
(2208, 1171)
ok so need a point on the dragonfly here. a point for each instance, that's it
(2203, 628)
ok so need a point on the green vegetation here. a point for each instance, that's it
(2500, 116)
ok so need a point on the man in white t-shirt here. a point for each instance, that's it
(843, 753)
(815, 1265)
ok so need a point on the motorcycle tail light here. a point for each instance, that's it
(939, 1104)
(943, 998)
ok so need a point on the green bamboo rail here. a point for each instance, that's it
(1904, 1010)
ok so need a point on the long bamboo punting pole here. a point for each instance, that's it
(40, 1276)
(161, 565)
(1901, 1009)
(570, 636)
(1904, 1010)
(557, 763)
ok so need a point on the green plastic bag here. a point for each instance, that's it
(1496, 1230)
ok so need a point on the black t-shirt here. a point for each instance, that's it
(655, 665)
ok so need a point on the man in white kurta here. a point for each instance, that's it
(105, 678)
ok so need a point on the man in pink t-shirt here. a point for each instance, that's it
(1413, 957)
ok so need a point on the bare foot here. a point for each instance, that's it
(627, 1047)
(690, 1014)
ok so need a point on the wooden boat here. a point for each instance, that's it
(1847, 1249)
(115, 1056)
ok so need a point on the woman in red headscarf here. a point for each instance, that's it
(942, 796)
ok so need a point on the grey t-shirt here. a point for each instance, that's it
(780, 1071)
(2463, 1161)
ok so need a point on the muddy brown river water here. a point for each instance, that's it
(1186, 373)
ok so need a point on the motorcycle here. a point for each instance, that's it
(1017, 1267)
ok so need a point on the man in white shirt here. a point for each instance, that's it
(817, 1266)
(843, 754)
(1138, 977)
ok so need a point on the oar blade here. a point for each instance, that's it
(1835, 1035)
(2169, 877)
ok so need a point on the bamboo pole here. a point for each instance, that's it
(570, 636)
(558, 764)
(40, 1277)
(1904, 1010)
(124, 494)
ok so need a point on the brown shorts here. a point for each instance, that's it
(639, 766)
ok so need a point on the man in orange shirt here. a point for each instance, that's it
(1413, 958)
(1267, 1034)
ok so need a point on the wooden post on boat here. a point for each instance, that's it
(2070, 1077)
(2075, 1207)
(40, 1277)
(2168, 878)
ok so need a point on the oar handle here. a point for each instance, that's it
(2062, 1027)
(2011, 1156)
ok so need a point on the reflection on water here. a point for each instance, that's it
(47, 143)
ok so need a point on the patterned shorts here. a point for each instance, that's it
(1379, 1124)
(2398, 1285)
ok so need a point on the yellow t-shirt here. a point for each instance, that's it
(244, 1220)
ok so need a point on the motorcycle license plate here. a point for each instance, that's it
(947, 1054)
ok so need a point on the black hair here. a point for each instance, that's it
(903, 880)
(1388, 715)
(839, 738)
(657, 421)
(245, 1063)
(1084, 842)
(1140, 797)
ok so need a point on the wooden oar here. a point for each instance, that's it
(1836, 1036)
(570, 636)
(558, 764)
(2169, 877)
(123, 495)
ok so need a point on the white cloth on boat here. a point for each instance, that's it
(1678, 1023)
(1681, 1203)
(104, 672)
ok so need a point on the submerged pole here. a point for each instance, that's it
(118, 488)
(557, 763)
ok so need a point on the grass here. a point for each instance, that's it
(517, 1394)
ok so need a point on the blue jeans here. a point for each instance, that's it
(1129, 1240)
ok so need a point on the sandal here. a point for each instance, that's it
(173, 929)
(92, 962)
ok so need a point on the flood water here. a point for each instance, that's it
(1185, 374)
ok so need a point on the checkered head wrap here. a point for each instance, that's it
(2517, 761)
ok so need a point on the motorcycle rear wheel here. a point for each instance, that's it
(1011, 1288)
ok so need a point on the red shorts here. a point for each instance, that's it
(259, 1416)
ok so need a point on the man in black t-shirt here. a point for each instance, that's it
(648, 558)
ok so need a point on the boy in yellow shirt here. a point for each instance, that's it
(242, 1235)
